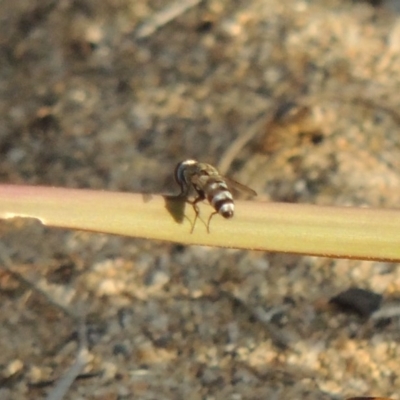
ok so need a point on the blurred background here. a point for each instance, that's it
(296, 99)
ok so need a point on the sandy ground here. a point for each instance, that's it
(97, 95)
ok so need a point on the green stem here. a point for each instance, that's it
(295, 228)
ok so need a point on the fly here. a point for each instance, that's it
(209, 184)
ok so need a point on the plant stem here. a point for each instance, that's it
(344, 232)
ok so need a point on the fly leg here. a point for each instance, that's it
(209, 220)
(201, 196)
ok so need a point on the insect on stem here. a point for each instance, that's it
(208, 184)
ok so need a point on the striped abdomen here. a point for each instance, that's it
(219, 196)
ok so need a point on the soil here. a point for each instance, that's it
(103, 95)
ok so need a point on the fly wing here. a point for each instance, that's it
(239, 187)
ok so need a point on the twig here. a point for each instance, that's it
(82, 358)
(278, 338)
(63, 385)
(165, 16)
(38, 287)
(238, 144)
(306, 101)
(388, 311)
